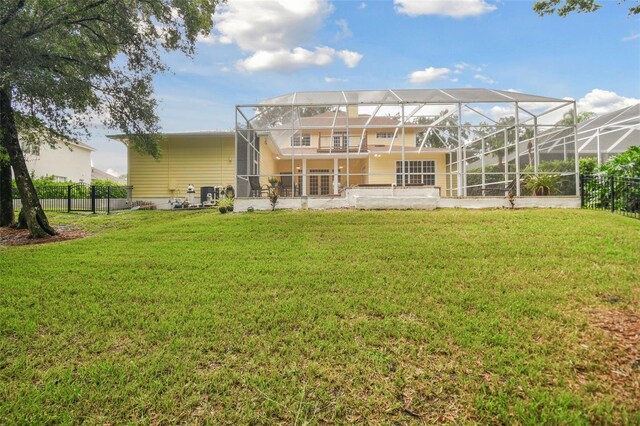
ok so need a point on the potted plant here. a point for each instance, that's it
(273, 181)
(223, 205)
(543, 184)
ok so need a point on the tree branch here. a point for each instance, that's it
(12, 12)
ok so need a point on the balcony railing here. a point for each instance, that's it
(340, 143)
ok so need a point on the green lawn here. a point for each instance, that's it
(319, 317)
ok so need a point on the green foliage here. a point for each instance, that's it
(274, 194)
(626, 164)
(273, 181)
(70, 63)
(542, 184)
(588, 165)
(445, 135)
(49, 187)
(565, 7)
(321, 317)
(568, 166)
(623, 166)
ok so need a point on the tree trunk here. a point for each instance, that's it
(6, 194)
(32, 211)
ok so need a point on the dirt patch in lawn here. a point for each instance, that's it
(611, 359)
(20, 237)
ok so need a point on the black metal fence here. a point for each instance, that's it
(80, 197)
(617, 194)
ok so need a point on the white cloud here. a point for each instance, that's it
(343, 30)
(362, 5)
(428, 75)
(603, 101)
(274, 33)
(454, 9)
(334, 80)
(206, 39)
(484, 79)
(284, 60)
(270, 25)
(462, 66)
(632, 37)
(351, 59)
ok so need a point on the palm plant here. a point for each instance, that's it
(543, 184)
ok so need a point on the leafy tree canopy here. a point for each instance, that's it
(565, 7)
(69, 63)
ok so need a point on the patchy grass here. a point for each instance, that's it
(321, 317)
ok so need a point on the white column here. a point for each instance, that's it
(598, 147)
(403, 168)
(535, 145)
(304, 177)
(335, 176)
(462, 189)
(575, 147)
(484, 179)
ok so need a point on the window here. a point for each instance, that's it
(384, 135)
(297, 140)
(340, 140)
(416, 172)
(31, 149)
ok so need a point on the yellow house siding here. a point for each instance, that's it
(268, 161)
(382, 169)
(200, 161)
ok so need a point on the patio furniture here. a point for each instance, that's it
(256, 189)
(287, 187)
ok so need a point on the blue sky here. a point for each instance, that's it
(264, 48)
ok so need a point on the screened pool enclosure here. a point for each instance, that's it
(460, 142)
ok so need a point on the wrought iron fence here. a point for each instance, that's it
(617, 194)
(80, 197)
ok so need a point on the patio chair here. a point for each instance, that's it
(256, 189)
(287, 187)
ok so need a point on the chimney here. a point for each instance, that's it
(353, 111)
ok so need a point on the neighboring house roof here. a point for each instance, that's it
(614, 132)
(102, 175)
(399, 96)
(68, 143)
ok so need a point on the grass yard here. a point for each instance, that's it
(452, 316)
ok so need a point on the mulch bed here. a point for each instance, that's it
(20, 237)
(617, 362)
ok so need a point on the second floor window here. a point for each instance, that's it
(384, 135)
(339, 140)
(301, 140)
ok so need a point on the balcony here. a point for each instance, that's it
(341, 143)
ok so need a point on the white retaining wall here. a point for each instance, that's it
(405, 202)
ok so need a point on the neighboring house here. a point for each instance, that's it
(201, 159)
(70, 161)
(97, 174)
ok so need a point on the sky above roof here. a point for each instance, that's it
(261, 49)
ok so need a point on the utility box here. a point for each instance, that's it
(204, 190)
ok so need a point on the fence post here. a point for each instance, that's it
(68, 198)
(612, 193)
(108, 200)
(581, 191)
(93, 198)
